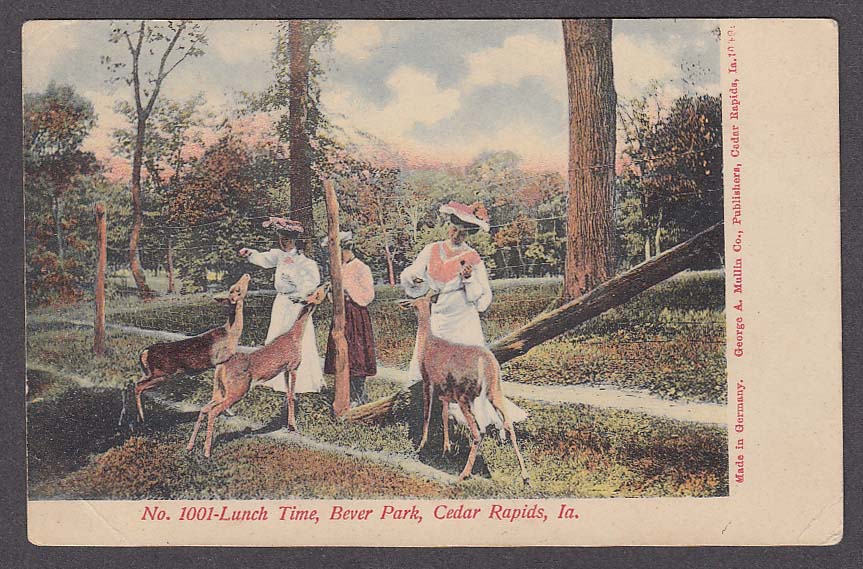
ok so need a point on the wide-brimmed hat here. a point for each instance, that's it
(473, 214)
(346, 239)
(283, 225)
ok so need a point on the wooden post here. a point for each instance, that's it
(102, 255)
(341, 401)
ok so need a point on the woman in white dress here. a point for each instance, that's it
(296, 278)
(458, 274)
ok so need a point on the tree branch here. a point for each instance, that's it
(136, 52)
(160, 75)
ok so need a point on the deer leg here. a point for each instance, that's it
(445, 420)
(143, 385)
(474, 441)
(204, 410)
(292, 383)
(428, 392)
(123, 410)
(211, 419)
(498, 401)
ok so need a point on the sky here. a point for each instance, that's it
(436, 91)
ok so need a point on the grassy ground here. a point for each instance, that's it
(668, 340)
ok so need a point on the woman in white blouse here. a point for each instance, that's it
(296, 278)
(456, 271)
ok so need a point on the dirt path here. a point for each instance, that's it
(638, 401)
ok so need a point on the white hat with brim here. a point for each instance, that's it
(283, 225)
(464, 213)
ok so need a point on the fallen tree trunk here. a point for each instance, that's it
(608, 295)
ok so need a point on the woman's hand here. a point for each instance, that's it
(466, 271)
(244, 252)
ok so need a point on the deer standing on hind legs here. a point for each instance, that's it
(463, 375)
(233, 378)
(191, 356)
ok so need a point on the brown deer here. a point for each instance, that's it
(460, 374)
(233, 378)
(194, 355)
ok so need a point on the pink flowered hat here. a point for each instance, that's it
(283, 224)
(473, 214)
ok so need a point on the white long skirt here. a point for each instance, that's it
(455, 320)
(310, 377)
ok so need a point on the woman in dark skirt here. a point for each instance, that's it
(359, 289)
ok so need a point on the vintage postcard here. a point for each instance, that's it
(432, 282)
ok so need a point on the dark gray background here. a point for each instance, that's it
(18, 552)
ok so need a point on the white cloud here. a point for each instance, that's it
(236, 44)
(638, 62)
(415, 99)
(357, 39)
(43, 43)
(518, 58)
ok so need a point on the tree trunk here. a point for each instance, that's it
(99, 318)
(592, 112)
(390, 271)
(646, 248)
(609, 294)
(656, 247)
(604, 297)
(58, 229)
(300, 174)
(138, 213)
(341, 400)
(170, 267)
(521, 269)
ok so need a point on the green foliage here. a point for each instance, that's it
(216, 207)
(58, 182)
(671, 184)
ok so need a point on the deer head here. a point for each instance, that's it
(237, 292)
(422, 304)
(319, 294)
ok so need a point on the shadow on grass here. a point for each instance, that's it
(65, 430)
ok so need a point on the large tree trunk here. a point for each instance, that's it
(300, 174)
(604, 297)
(592, 111)
(138, 212)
